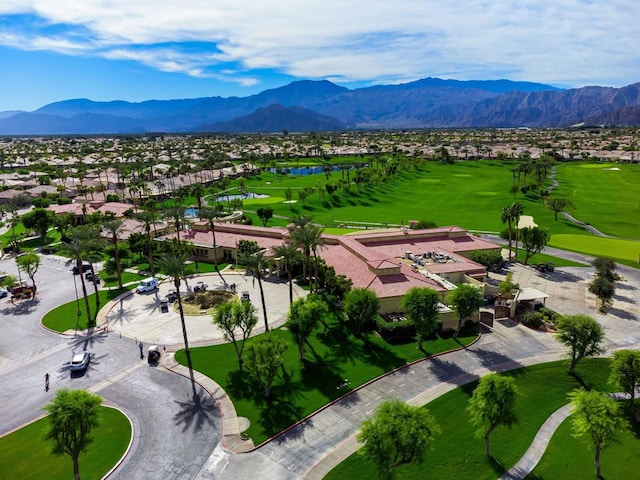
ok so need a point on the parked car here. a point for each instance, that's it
(3, 292)
(80, 361)
(92, 277)
(200, 287)
(86, 266)
(147, 285)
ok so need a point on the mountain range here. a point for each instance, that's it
(306, 105)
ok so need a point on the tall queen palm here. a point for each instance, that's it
(254, 263)
(148, 219)
(173, 265)
(290, 256)
(210, 215)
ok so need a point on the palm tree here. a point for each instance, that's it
(309, 238)
(148, 219)
(89, 237)
(516, 211)
(176, 215)
(210, 215)
(290, 256)
(254, 263)
(173, 266)
(114, 228)
(507, 217)
(76, 250)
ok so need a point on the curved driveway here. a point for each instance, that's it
(174, 431)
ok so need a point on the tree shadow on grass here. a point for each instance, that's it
(324, 376)
(497, 466)
(379, 356)
(340, 342)
(197, 413)
(240, 386)
(277, 413)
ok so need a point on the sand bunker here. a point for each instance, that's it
(526, 221)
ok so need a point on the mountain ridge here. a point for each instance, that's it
(309, 105)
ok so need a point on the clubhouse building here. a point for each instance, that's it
(387, 262)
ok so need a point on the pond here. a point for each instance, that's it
(313, 170)
(241, 196)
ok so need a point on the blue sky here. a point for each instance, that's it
(135, 50)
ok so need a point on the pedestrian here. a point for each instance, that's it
(141, 348)
(46, 382)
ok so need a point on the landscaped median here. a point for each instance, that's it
(25, 454)
(72, 316)
(458, 453)
(336, 362)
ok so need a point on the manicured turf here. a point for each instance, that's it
(568, 458)
(65, 317)
(332, 356)
(468, 194)
(605, 195)
(623, 251)
(127, 277)
(458, 453)
(25, 454)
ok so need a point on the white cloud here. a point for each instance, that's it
(571, 42)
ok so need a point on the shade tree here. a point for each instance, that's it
(421, 309)
(625, 372)
(534, 239)
(264, 360)
(397, 434)
(596, 417)
(236, 320)
(361, 307)
(492, 404)
(73, 415)
(466, 299)
(582, 334)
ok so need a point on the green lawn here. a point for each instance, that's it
(458, 453)
(25, 454)
(468, 194)
(623, 251)
(112, 281)
(605, 195)
(568, 457)
(65, 317)
(331, 357)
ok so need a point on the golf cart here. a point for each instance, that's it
(153, 355)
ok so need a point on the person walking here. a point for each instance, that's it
(46, 382)
(141, 351)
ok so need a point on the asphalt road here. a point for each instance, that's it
(175, 431)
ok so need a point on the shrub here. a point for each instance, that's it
(395, 332)
(532, 319)
(41, 202)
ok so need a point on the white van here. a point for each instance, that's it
(147, 285)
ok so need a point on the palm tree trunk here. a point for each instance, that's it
(597, 461)
(84, 292)
(150, 255)
(215, 253)
(117, 259)
(290, 285)
(264, 305)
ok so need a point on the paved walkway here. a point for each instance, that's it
(534, 454)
